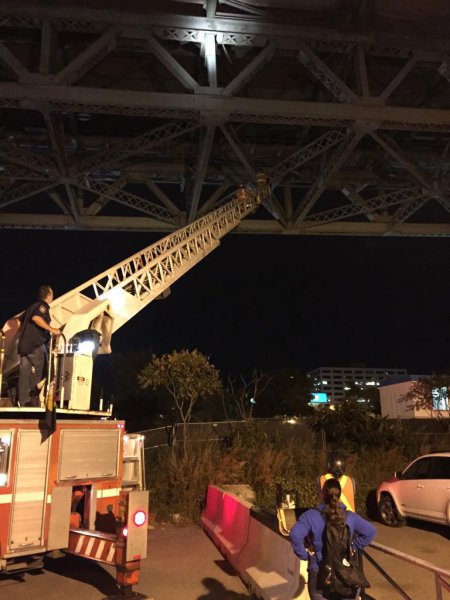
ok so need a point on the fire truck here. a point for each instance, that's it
(78, 485)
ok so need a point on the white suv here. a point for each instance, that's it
(422, 491)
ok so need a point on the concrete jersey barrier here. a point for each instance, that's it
(232, 532)
(263, 558)
(212, 514)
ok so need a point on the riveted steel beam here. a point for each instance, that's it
(232, 29)
(216, 106)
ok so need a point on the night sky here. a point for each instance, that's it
(264, 301)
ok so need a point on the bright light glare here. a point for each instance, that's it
(125, 532)
(139, 518)
(324, 382)
(5, 439)
(86, 347)
(3, 478)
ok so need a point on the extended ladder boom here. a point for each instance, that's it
(108, 301)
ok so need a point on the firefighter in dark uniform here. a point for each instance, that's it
(34, 335)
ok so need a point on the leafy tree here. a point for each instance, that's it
(431, 393)
(187, 377)
(352, 427)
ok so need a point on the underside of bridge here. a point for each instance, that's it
(144, 115)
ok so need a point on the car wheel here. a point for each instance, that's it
(388, 512)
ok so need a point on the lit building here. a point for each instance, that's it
(335, 381)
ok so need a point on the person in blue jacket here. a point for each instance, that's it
(311, 525)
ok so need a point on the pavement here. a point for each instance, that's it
(183, 564)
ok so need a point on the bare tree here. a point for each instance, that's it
(245, 390)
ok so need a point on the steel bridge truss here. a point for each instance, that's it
(127, 121)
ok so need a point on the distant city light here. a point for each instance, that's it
(319, 398)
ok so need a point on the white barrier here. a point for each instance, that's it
(269, 567)
(263, 558)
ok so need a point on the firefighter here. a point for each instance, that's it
(336, 470)
(34, 335)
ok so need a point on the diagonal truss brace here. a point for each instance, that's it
(56, 134)
(14, 154)
(394, 150)
(15, 194)
(143, 142)
(171, 64)
(373, 205)
(352, 194)
(16, 172)
(305, 154)
(232, 138)
(339, 156)
(127, 199)
(325, 75)
(13, 63)
(403, 213)
(250, 70)
(271, 203)
(202, 164)
(83, 63)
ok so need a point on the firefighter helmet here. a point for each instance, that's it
(336, 465)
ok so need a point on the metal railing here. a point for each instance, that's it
(439, 573)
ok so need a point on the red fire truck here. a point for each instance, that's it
(79, 486)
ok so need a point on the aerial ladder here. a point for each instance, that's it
(96, 309)
(84, 494)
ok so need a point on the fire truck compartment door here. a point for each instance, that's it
(30, 492)
(58, 531)
(89, 454)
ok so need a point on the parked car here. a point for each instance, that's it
(422, 491)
